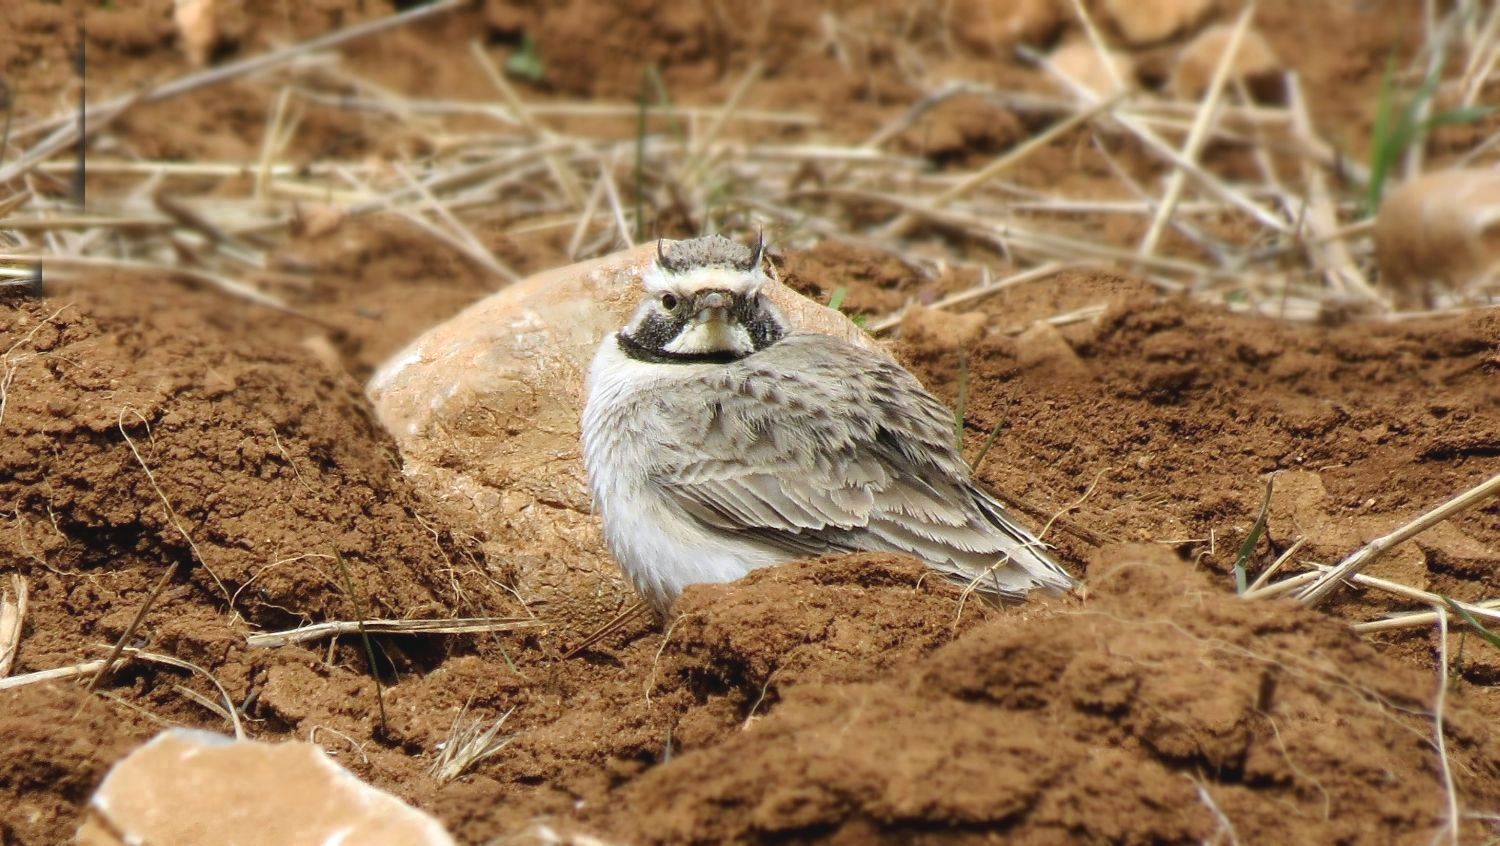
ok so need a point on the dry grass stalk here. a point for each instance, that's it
(1157, 145)
(616, 207)
(71, 671)
(13, 202)
(564, 174)
(978, 292)
(1419, 619)
(618, 622)
(200, 699)
(12, 619)
(135, 623)
(1326, 583)
(1439, 705)
(1286, 585)
(229, 71)
(272, 142)
(1281, 559)
(469, 741)
(157, 658)
(338, 628)
(167, 504)
(65, 137)
(472, 245)
(1199, 132)
(1327, 250)
(1481, 610)
(903, 224)
(233, 287)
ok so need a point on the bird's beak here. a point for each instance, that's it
(709, 302)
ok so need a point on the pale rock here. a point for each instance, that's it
(989, 25)
(1043, 346)
(485, 409)
(316, 220)
(187, 786)
(1080, 62)
(197, 29)
(1143, 22)
(1255, 63)
(927, 327)
(1439, 234)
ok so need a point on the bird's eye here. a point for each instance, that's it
(668, 302)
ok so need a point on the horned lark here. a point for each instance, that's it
(719, 440)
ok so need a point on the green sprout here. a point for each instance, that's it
(1398, 127)
(1251, 540)
(526, 62)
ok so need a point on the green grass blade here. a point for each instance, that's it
(526, 62)
(1485, 634)
(836, 301)
(984, 449)
(1382, 148)
(664, 99)
(1241, 583)
(1454, 117)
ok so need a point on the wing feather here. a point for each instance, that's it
(813, 446)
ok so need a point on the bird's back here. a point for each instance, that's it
(807, 447)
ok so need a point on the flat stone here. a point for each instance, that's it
(1080, 62)
(1255, 63)
(1143, 22)
(193, 786)
(1439, 234)
(998, 25)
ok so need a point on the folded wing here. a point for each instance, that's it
(814, 446)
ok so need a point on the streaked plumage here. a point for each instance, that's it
(719, 444)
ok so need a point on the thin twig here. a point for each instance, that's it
(166, 503)
(1378, 547)
(12, 620)
(338, 628)
(57, 673)
(1439, 705)
(242, 67)
(903, 224)
(1199, 133)
(618, 622)
(970, 295)
(135, 623)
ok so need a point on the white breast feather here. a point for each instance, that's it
(660, 550)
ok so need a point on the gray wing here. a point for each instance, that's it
(814, 446)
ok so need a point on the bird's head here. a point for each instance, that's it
(703, 304)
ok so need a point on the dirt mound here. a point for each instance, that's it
(142, 425)
(1162, 711)
(139, 396)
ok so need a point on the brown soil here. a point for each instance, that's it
(846, 699)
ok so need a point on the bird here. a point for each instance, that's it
(718, 439)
